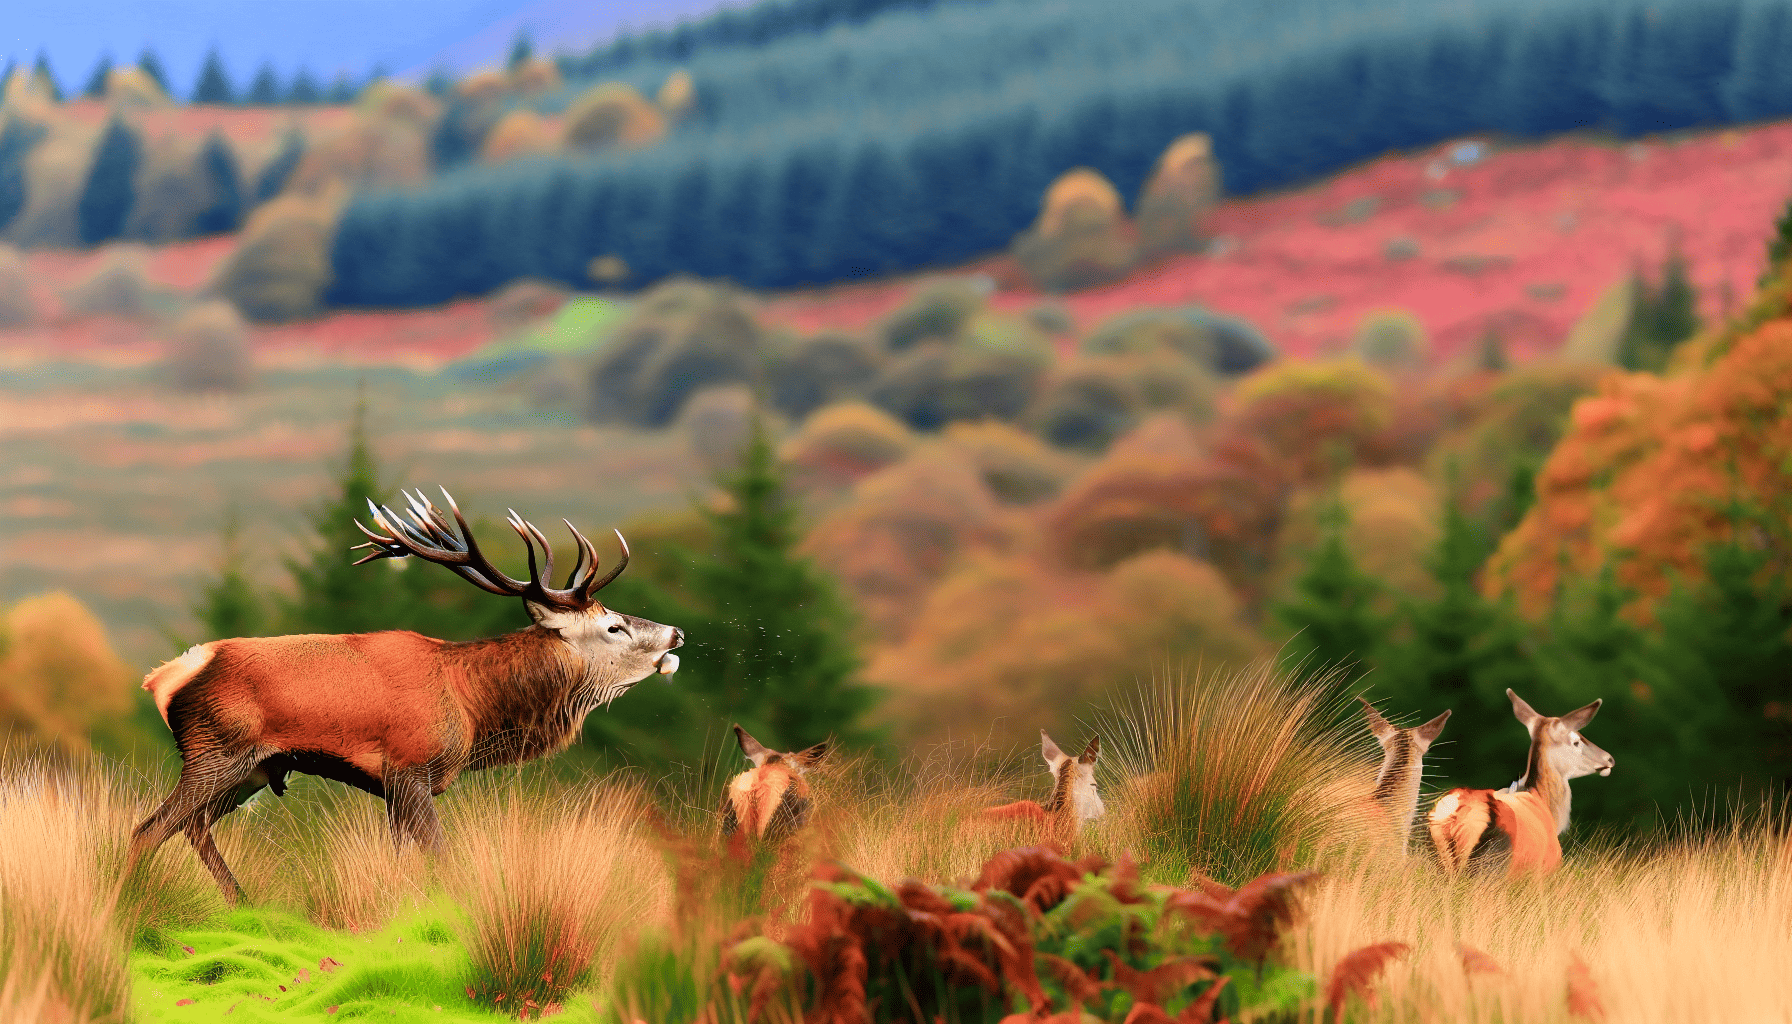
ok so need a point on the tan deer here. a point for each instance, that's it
(1520, 825)
(1395, 800)
(1074, 798)
(771, 800)
(398, 714)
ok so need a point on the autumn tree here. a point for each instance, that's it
(1331, 614)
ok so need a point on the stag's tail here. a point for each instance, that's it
(166, 679)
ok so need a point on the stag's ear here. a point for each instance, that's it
(1052, 754)
(1091, 752)
(1522, 711)
(751, 747)
(1427, 734)
(1579, 717)
(1378, 726)
(807, 759)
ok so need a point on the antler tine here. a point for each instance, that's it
(586, 551)
(425, 513)
(522, 530)
(615, 570)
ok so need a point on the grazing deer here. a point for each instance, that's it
(1074, 799)
(1520, 825)
(771, 800)
(397, 714)
(1396, 796)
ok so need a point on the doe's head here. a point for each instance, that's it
(1571, 754)
(760, 755)
(1074, 777)
(1385, 732)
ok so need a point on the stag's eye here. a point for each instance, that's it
(616, 627)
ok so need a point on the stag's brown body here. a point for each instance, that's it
(396, 714)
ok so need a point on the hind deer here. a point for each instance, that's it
(397, 714)
(771, 800)
(1396, 796)
(1477, 829)
(1074, 799)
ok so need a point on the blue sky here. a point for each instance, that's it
(405, 36)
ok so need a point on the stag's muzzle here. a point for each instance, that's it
(667, 665)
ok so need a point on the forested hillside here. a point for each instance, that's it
(926, 137)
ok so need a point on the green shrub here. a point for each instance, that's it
(935, 384)
(17, 308)
(821, 370)
(683, 336)
(1087, 404)
(1391, 338)
(1155, 330)
(209, 349)
(938, 311)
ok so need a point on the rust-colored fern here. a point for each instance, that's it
(1357, 971)
(1583, 993)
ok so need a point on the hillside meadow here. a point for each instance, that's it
(616, 888)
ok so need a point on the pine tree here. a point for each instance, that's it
(772, 647)
(522, 48)
(1721, 668)
(264, 91)
(341, 90)
(1462, 651)
(214, 82)
(17, 138)
(1331, 615)
(225, 213)
(151, 65)
(1660, 318)
(96, 82)
(40, 71)
(229, 605)
(274, 175)
(110, 191)
(438, 84)
(1779, 247)
(304, 89)
(1591, 651)
(330, 594)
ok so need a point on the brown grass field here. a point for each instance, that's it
(1694, 928)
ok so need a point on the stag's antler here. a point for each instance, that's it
(430, 536)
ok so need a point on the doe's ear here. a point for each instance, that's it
(1378, 726)
(1579, 717)
(1052, 754)
(751, 747)
(1523, 711)
(807, 759)
(1427, 734)
(1092, 752)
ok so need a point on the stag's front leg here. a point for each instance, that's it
(411, 810)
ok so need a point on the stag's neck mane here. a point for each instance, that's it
(526, 694)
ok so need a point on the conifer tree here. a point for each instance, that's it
(772, 649)
(341, 90)
(304, 88)
(1779, 247)
(521, 49)
(40, 70)
(17, 138)
(213, 85)
(151, 65)
(110, 190)
(1331, 615)
(1721, 668)
(1660, 317)
(438, 84)
(225, 213)
(96, 82)
(230, 606)
(264, 91)
(1461, 651)
(275, 174)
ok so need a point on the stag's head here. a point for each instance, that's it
(1571, 754)
(618, 650)
(1074, 777)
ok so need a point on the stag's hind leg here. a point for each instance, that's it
(211, 785)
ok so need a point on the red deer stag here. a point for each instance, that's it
(1074, 799)
(1519, 825)
(397, 714)
(1395, 801)
(772, 799)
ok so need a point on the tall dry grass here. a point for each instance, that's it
(1233, 773)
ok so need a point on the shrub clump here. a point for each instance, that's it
(209, 349)
(683, 336)
(281, 264)
(517, 134)
(119, 286)
(1391, 339)
(818, 371)
(1183, 189)
(612, 115)
(940, 311)
(1082, 236)
(17, 308)
(842, 443)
